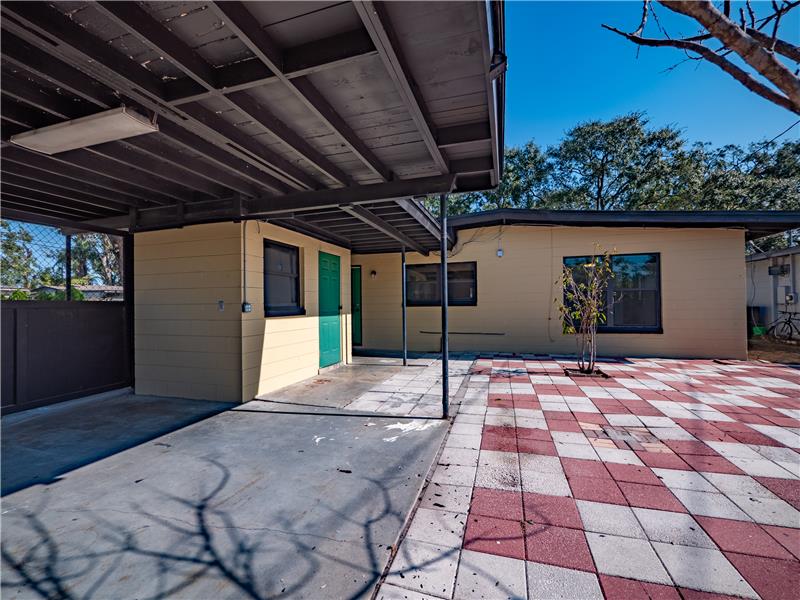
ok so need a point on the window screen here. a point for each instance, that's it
(281, 280)
(423, 284)
(633, 297)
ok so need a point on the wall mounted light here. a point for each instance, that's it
(373, 274)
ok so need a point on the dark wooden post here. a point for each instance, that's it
(443, 279)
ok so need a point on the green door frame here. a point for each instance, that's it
(330, 305)
(355, 304)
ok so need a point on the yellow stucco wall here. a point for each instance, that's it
(702, 292)
(187, 347)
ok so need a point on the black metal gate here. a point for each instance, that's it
(63, 340)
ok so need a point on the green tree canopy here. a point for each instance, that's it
(626, 164)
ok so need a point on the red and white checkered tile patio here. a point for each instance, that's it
(670, 479)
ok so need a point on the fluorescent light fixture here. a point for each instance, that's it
(108, 126)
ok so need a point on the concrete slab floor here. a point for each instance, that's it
(259, 501)
(338, 387)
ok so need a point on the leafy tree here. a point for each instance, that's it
(523, 185)
(17, 263)
(617, 164)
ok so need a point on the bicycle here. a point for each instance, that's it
(785, 328)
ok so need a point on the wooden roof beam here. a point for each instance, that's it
(246, 28)
(148, 30)
(308, 58)
(57, 35)
(375, 19)
(374, 221)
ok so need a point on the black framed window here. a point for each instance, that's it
(281, 280)
(633, 297)
(423, 284)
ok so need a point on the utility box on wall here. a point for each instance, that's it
(779, 270)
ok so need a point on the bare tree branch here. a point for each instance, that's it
(734, 71)
(757, 48)
(645, 11)
(780, 46)
(750, 50)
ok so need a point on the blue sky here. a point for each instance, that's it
(564, 69)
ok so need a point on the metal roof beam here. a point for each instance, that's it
(371, 219)
(375, 19)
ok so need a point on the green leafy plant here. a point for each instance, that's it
(584, 303)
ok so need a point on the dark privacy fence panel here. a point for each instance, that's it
(56, 350)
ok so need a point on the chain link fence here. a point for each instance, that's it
(42, 263)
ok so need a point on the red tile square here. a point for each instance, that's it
(576, 467)
(501, 444)
(688, 594)
(773, 579)
(585, 417)
(650, 496)
(617, 588)
(528, 433)
(657, 591)
(785, 489)
(642, 409)
(754, 437)
(663, 460)
(557, 546)
(690, 447)
(730, 426)
(596, 489)
(495, 536)
(558, 415)
(712, 464)
(786, 537)
(529, 446)
(500, 431)
(742, 537)
(633, 473)
(785, 421)
(551, 510)
(499, 504)
(561, 425)
(752, 419)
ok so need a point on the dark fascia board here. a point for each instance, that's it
(773, 254)
(756, 223)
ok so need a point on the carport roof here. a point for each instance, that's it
(756, 223)
(319, 115)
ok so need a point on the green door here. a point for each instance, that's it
(329, 307)
(355, 294)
